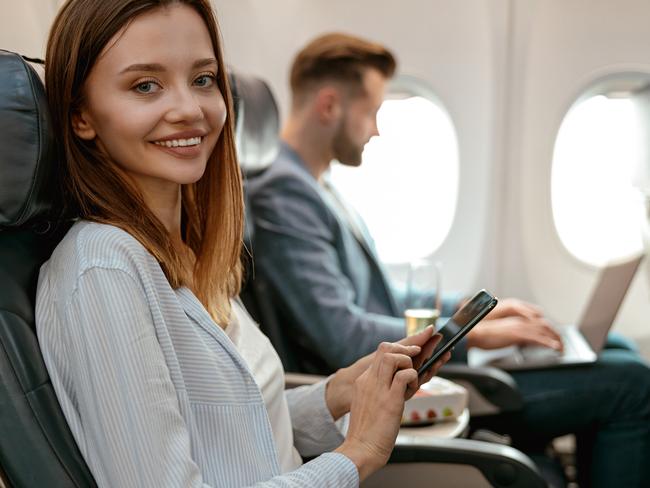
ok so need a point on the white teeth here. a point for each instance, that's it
(192, 141)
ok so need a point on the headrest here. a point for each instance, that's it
(257, 122)
(26, 142)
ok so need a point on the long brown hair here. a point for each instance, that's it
(212, 208)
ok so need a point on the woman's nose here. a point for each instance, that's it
(185, 107)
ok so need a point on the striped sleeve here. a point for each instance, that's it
(314, 429)
(330, 470)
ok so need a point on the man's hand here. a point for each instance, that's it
(512, 307)
(513, 330)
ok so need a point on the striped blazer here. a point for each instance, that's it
(154, 392)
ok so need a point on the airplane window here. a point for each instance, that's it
(598, 212)
(407, 185)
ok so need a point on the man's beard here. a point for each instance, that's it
(345, 150)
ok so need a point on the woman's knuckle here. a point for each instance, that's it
(384, 346)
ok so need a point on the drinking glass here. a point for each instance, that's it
(423, 274)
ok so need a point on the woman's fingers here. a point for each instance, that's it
(427, 375)
(427, 350)
(393, 357)
(398, 348)
(403, 379)
(419, 339)
(392, 360)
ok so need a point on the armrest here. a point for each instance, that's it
(491, 390)
(457, 462)
(292, 380)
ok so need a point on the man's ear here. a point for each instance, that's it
(328, 104)
(82, 125)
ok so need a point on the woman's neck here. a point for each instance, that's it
(165, 202)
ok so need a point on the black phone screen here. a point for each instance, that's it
(464, 319)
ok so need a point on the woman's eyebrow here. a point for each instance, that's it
(143, 67)
(201, 63)
(156, 67)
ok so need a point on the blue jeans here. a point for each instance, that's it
(606, 405)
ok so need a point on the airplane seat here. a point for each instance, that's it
(430, 461)
(257, 126)
(36, 446)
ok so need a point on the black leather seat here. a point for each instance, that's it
(256, 132)
(36, 447)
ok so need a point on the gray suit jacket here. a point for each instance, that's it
(329, 288)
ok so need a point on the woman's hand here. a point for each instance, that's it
(340, 387)
(378, 401)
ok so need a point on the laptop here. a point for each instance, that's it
(583, 342)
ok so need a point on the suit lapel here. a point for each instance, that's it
(353, 223)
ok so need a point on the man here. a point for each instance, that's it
(313, 249)
(337, 303)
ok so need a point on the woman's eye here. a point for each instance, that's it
(146, 87)
(204, 81)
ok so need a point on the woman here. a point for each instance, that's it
(133, 303)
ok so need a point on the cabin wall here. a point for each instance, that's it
(24, 25)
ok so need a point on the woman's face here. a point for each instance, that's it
(152, 103)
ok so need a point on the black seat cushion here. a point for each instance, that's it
(36, 446)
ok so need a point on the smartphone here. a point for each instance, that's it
(465, 318)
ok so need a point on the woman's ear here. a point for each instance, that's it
(82, 125)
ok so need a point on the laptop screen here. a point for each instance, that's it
(606, 299)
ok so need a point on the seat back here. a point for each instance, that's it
(256, 132)
(36, 446)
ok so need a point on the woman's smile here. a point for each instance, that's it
(184, 145)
